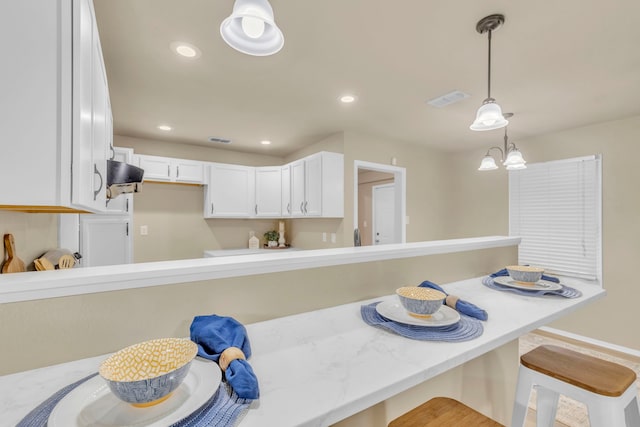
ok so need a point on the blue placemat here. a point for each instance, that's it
(565, 291)
(224, 409)
(466, 329)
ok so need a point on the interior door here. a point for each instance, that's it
(383, 201)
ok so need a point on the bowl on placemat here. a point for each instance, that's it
(420, 301)
(146, 374)
(525, 274)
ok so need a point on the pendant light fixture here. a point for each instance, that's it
(251, 28)
(489, 115)
(514, 158)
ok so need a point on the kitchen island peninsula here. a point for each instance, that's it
(328, 366)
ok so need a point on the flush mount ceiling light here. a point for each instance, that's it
(265, 142)
(347, 99)
(165, 128)
(514, 158)
(185, 49)
(251, 29)
(489, 115)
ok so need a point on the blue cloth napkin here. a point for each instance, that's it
(462, 306)
(504, 272)
(214, 334)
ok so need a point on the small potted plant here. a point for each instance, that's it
(272, 238)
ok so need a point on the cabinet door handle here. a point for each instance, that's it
(288, 207)
(126, 207)
(169, 171)
(302, 207)
(97, 172)
(212, 208)
(177, 171)
(256, 209)
(305, 207)
(127, 228)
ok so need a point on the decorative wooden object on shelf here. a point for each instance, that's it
(13, 264)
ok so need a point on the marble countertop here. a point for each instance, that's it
(320, 367)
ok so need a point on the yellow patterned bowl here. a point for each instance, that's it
(147, 373)
(420, 301)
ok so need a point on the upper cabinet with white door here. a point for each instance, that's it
(317, 186)
(55, 107)
(230, 191)
(268, 191)
(167, 169)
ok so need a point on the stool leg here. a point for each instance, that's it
(521, 401)
(632, 413)
(546, 406)
(606, 415)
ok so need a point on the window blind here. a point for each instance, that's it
(555, 207)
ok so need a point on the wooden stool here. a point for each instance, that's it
(608, 389)
(445, 412)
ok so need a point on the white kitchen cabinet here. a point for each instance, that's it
(105, 240)
(55, 108)
(317, 186)
(167, 169)
(123, 203)
(286, 190)
(230, 191)
(268, 193)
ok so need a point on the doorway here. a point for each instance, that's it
(383, 214)
(368, 175)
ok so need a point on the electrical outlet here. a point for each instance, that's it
(144, 230)
(333, 237)
(324, 237)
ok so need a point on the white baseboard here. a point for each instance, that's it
(592, 341)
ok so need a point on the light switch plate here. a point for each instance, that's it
(144, 230)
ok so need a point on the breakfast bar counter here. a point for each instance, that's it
(320, 367)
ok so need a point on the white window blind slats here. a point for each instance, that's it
(555, 208)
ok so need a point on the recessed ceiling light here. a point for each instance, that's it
(165, 128)
(347, 99)
(265, 142)
(185, 49)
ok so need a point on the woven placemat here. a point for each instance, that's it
(466, 329)
(223, 409)
(565, 292)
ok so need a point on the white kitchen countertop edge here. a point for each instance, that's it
(320, 367)
(35, 285)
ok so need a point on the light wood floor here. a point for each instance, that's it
(570, 412)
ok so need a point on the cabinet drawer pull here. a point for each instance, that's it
(177, 171)
(169, 171)
(97, 172)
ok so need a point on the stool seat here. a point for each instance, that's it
(607, 389)
(444, 412)
(581, 370)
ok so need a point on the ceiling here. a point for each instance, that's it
(555, 65)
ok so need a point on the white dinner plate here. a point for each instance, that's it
(393, 310)
(540, 285)
(93, 404)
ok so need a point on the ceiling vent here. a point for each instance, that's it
(448, 99)
(219, 140)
